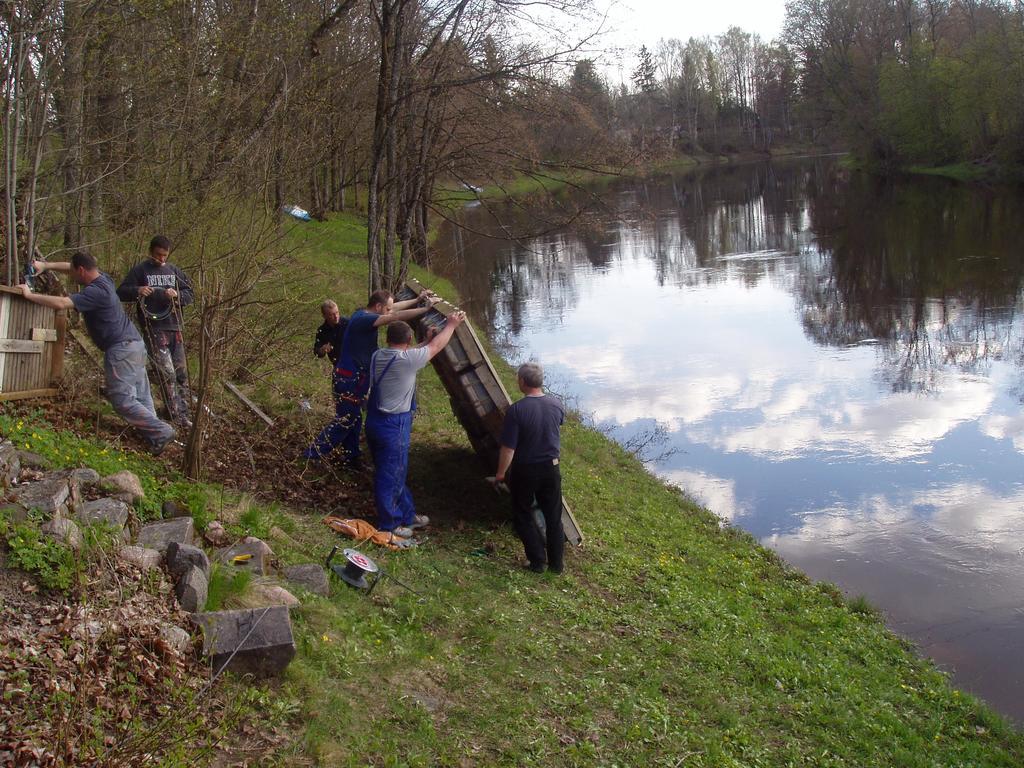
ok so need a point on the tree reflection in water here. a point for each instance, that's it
(927, 270)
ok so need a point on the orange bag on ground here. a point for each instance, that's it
(361, 531)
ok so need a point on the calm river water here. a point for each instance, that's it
(831, 361)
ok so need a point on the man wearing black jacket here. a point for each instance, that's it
(161, 290)
(331, 333)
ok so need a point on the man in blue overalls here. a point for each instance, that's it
(389, 421)
(351, 381)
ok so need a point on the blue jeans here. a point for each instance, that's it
(388, 435)
(349, 395)
(128, 390)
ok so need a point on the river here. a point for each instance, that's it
(831, 361)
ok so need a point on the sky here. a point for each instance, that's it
(632, 23)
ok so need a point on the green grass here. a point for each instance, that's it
(673, 639)
(956, 171)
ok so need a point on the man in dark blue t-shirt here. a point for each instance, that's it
(161, 290)
(351, 379)
(529, 454)
(124, 354)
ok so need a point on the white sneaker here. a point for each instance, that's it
(403, 531)
(420, 521)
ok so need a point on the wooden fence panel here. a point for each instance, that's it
(31, 347)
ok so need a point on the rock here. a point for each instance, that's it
(175, 637)
(85, 476)
(169, 510)
(31, 460)
(308, 576)
(142, 558)
(64, 531)
(270, 646)
(215, 534)
(123, 485)
(14, 512)
(271, 594)
(260, 554)
(10, 463)
(262, 546)
(181, 557)
(192, 589)
(158, 535)
(112, 512)
(49, 495)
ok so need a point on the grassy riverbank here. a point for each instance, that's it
(545, 181)
(672, 639)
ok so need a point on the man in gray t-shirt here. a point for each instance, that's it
(389, 420)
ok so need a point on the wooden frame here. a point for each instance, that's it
(31, 347)
(479, 399)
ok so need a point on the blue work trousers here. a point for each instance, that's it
(349, 396)
(128, 390)
(388, 435)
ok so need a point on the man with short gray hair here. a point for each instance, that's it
(529, 455)
(331, 333)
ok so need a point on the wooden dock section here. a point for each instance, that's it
(478, 398)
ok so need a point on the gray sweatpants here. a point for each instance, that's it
(128, 390)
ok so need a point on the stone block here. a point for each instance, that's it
(112, 512)
(158, 535)
(258, 562)
(175, 637)
(269, 648)
(192, 590)
(49, 495)
(308, 576)
(14, 512)
(10, 463)
(64, 531)
(169, 510)
(140, 557)
(215, 534)
(261, 593)
(181, 557)
(85, 476)
(31, 460)
(123, 485)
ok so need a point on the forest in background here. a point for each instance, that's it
(123, 118)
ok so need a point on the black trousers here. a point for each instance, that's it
(543, 482)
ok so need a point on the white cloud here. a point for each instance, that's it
(716, 493)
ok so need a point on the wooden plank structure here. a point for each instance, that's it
(31, 347)
(478, 398)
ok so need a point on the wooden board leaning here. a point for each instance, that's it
(478, 398)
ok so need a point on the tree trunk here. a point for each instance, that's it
(73, 87)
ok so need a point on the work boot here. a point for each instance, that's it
(157, 446)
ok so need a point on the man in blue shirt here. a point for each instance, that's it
(351, 380)
(529, 454)
(124, 354)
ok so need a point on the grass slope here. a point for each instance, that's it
(671, 640)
